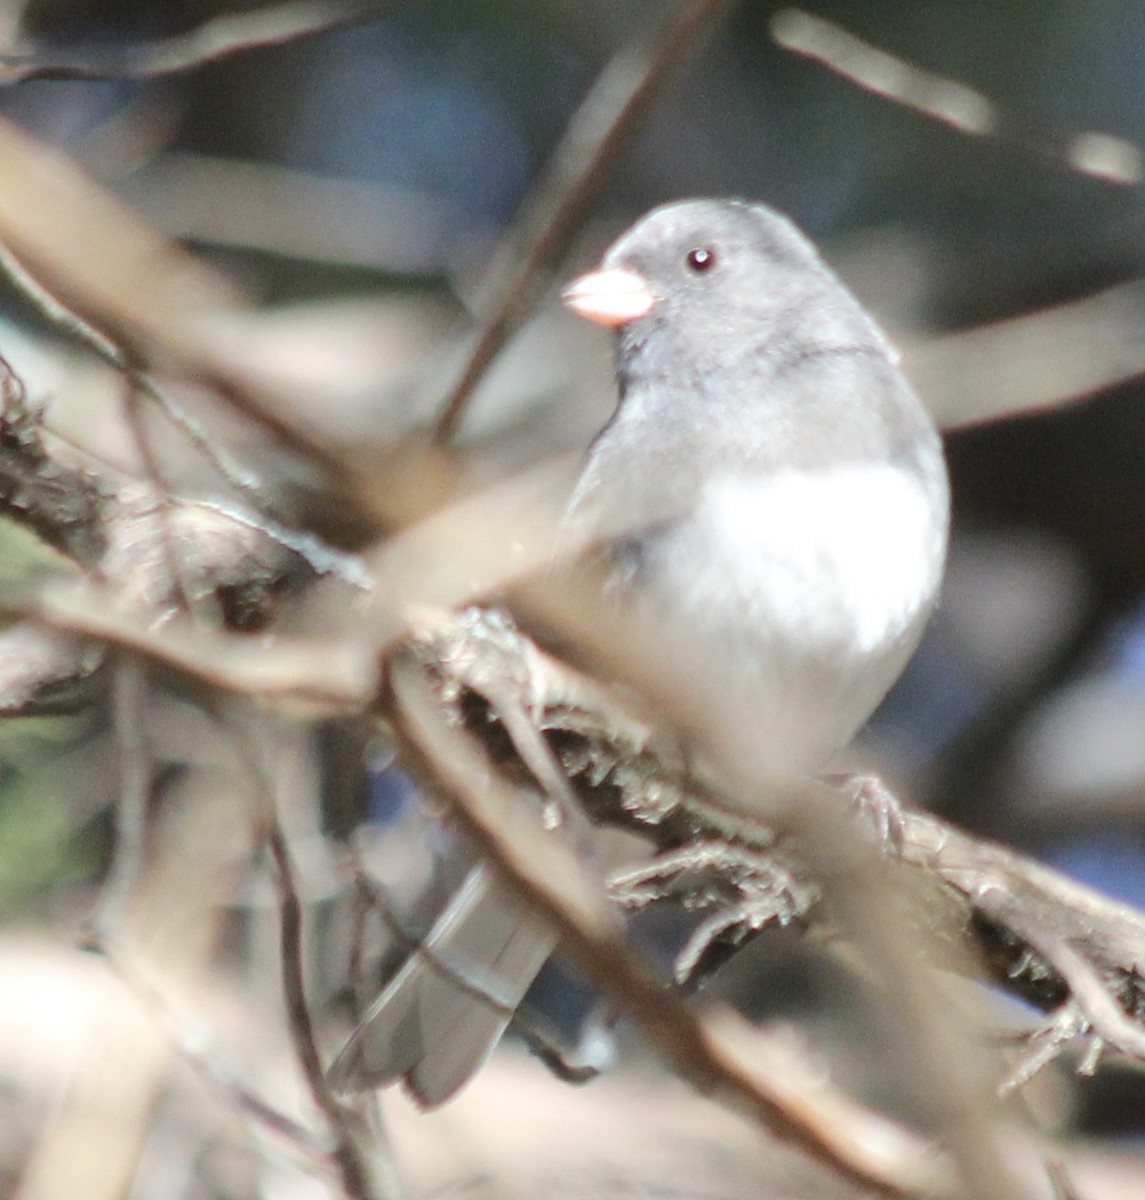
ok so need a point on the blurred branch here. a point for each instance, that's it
(717, 1052)
(1041, 360)
(129, 686)
(349, 1153)
(103, 1119)
(216, 38)
(76, 328)
(1048, 940)
(598, 134)
(189, 1040)
(46, 672)
(313, 672)
(300, 215)
(144, 550)
(1101, 155)
(101, 262)
(132, 295)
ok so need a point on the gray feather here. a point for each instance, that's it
(429, 1028)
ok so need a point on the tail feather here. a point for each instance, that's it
(429, 1029)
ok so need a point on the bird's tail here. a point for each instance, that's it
(439, 1018)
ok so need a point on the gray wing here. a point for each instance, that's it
(426, 1027)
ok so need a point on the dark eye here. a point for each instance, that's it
(702, 258)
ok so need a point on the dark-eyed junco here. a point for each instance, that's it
(783, 486)
(772, 502)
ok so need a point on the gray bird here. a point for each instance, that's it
(773, 503)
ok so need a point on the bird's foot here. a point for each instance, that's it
(878, 805)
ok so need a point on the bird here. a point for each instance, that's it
(768, 508)
(780, 487)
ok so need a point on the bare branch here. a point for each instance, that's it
(165, 499)
(76, 328)
(62, 505)
(46, 672)
(129, 694)
(219, 37)
(1034, 362)
(598, 134)
(1101, 155)
(189, 1042)
(1038, 933)
(139, 294)
(301, 215)
(717, 1053)
(325, 674)
(349, 1155)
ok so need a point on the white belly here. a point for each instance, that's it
(800, 599)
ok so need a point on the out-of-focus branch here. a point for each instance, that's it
(1040, 360)
(316, 218)
(950, 101)
(96, 257)
(349, 1154)
(188, 1040)
(318, 673)
(125, 286)
(74, 327)
(717, 1052)
(1037, 933)
(149, 557)
(597, 136)
(229, 33)
(103, 1117)
(129, 685)
(46, 672)
(61, 504)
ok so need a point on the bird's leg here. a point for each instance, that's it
(747, 892)
(875, 802)
(1044, 1045)
(698, 875)
(716, 939)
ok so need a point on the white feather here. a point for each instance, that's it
(806, 595)
(843, 557)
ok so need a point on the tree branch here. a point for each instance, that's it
(219, 37)
(596, 137)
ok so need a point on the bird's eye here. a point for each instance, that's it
(701, 259)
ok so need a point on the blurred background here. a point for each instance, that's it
(354, 184)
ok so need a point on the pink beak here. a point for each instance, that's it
(611, 296)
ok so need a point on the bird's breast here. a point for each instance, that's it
(838, 559)
(797, 596)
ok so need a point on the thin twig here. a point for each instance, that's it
(65, 319)
(1061, 1182)
(165, 496)
(467, 977)
(189, 1042)
(76, 328)
(1104, 1016)
(216, 38)
(347, 1154)
(593, 143)
(129, 685)
(1043, 1046)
